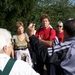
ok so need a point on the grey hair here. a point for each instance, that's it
(60, 23)
(70, 18)
(5, 38)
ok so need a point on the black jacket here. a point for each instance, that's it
(58, 52)
(39, 49)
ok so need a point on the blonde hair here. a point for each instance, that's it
(18, 24)
(60, 23)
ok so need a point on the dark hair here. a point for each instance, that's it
(29, 22)
(69, 27)
(44, 16)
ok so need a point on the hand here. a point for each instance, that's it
(27, 39)
(39, 38)
(30, 29)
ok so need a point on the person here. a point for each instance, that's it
(20, 44)
(60, 31)
(46, 34)
(61, 55)
(33, 55)
(20, 67)
(31, 23)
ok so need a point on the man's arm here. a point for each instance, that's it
(54, 54)
(47, 42)
(38, 48)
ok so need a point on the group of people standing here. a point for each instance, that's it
(52, 48)
(59, 58)
(46, 35)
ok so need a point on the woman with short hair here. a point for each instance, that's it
(60, 31)
(20, 44)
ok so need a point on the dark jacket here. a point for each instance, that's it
(54, 55)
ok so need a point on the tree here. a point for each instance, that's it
(14, 10)
(25, 10)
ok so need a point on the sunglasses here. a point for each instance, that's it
(59, 26)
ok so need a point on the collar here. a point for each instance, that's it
(70, 39)
(4, 55)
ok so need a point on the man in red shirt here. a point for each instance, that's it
(46, 34)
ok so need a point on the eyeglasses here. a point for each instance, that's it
(59, 26)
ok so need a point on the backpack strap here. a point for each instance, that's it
(0, 72)
(56, 41)
(8, 66)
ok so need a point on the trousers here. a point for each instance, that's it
(24, 55)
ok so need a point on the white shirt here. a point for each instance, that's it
(19, 68)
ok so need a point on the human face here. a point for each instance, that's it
(59, 28)
(45, 23)
(20, 30)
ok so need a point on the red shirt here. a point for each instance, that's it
(60, 36)
(46, 34)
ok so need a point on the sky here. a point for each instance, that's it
(73, 1)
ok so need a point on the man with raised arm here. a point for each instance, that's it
(61, 55)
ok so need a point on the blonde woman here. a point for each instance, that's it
(20, 44)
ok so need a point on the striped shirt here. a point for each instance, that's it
(63, 54)
(61, 46)
(68, 64)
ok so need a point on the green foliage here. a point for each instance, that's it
(25, 10)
